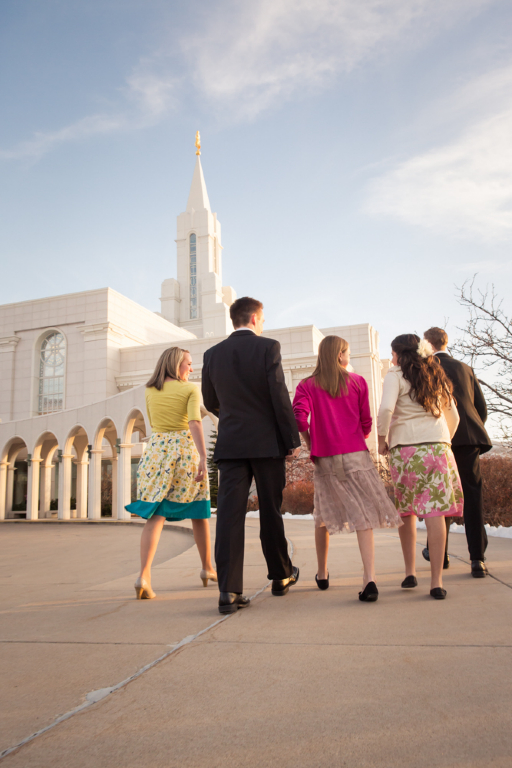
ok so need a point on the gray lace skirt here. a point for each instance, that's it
(350, 496)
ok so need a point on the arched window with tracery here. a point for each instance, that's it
(193, 277)
(52, 358)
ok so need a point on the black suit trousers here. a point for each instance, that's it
(467, 458)
(468, 464)
(236, 476)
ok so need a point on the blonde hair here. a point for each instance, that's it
(329, 374)
(168, 367)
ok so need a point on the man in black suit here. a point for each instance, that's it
(469, 441)
(243, 383)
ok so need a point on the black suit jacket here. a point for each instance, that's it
(243, 383)
(470, 403)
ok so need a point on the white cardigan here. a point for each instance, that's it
(404, 421)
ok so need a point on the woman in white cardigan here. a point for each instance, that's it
(417, 419)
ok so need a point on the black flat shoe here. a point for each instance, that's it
(438, 593)
(478, 569)
(322, 583)
(281, 586)
(229, 602)
(409, 582)
(446, 563)
(426, 554)
(370, 593)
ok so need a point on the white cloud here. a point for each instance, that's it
(257, 54)
(248, 57)
(483, 266)
(147, 96)
(463, 188)
(43, 142)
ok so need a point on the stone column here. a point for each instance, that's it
(33, 489)
(46, 490)
(124, 467)
(81, 488)
(94, 500)
(8, 346)
(64, 512)
(11, 469)
(114, 485)
(3, 488)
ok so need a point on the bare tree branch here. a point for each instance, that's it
(486, 343)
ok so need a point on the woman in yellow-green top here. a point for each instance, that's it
(172, 479)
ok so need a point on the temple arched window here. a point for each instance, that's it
(193, 276)
(52, 359)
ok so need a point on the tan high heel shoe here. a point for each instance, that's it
(143, 590)
(205, 575)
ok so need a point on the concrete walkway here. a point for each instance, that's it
(315, 679)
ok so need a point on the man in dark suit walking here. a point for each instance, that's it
(469, 441)
(243, 383)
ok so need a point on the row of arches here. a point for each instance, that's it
(74, 471)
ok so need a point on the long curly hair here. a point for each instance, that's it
(430, 386)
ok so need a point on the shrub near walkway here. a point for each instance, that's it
(497, 484)
(298, 497)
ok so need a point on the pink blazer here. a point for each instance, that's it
(336, 424)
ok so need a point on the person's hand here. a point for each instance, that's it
(383, 446)
(201, 470)
(293, 453)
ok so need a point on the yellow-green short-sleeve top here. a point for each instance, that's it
(171, 408)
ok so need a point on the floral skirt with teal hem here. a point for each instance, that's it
(196, 510)
(166, 483)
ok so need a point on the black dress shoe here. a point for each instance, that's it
(409, 582)
(322, 583)
(426, 553)
(438, 593)
(478, 569)
(370, 593)
(281, 586)
(229, 602)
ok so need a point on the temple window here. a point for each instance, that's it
(52, 359)
(193, 277)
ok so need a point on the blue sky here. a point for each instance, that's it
(358, 154)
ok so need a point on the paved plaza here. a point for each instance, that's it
(312, 680)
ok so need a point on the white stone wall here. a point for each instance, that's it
(96, 326)
(299, 349)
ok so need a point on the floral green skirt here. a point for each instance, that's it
(426, 480)
(166, 483)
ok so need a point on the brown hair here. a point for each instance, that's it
(243, 309)
(437, 337)
(168, 367)
(429, 383)
(329, 375)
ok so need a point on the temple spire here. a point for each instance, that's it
(198, 197)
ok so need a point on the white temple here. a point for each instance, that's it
(73, 369)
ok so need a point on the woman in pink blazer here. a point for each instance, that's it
(349, 495)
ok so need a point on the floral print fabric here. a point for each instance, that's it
(168, 468)
(426, 480)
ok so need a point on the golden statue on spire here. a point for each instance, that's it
(198, 143)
